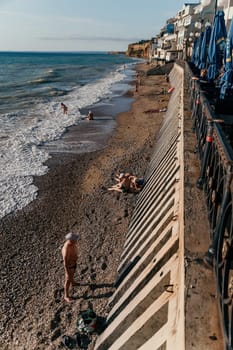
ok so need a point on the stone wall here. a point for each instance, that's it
(147, 307)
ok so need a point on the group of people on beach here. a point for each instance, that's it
(90, 115)
(126, 182)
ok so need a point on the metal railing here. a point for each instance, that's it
(214, 147)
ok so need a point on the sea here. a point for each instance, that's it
(32, 87)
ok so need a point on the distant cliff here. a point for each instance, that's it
(140, 49)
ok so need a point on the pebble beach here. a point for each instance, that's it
(73, 196)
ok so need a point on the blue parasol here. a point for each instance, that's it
(198, 50)
(227, 78)
(216, 46)
(193, 58)
(204, 48)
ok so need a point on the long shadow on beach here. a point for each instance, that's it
(93, 287)
(85, 296)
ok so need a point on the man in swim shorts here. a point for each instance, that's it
(70, 256)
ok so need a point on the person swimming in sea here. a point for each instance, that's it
(90, 115)
(64, 107)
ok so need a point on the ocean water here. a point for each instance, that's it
(32, 87)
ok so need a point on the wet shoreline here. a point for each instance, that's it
(90, 136)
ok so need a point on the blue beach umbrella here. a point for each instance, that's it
(193, 58)
(216, 46)
(227, 78)
(198, 50)
(204, 48)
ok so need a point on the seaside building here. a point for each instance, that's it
(168, 48)
(184, 26)
(155, 44)
(176, 39)
(189, 22)
(227, 7)
(202, 15)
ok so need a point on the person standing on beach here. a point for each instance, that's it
(70, 256)
(138, 82)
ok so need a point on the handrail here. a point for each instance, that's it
(216, 163)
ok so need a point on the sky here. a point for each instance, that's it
(81, 25)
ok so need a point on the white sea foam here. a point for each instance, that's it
(22, 132)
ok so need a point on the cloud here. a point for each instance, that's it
(49, 18)
(89, 38)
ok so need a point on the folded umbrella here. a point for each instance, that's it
(204, 48)
(226, 81)
(216, 46)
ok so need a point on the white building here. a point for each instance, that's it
(227, 6)
(189, 22)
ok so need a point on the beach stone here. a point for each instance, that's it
(104, 266)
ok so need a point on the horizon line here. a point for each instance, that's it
(60, 51)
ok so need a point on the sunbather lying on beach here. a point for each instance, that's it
(138, 183)
(123, 183)
(119, 177)
(127, 183)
